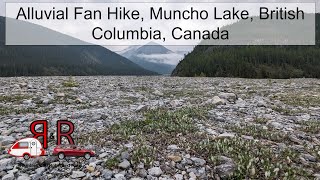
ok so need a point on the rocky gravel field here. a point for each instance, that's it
(166, 128)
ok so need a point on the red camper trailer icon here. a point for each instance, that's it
(26, 148)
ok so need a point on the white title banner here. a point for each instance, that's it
(164, 23)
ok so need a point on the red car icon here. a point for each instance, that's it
(72, 150)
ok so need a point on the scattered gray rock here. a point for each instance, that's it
(124, 164)
(309, 157)
(173, 147)
(40, 170)
(155, 171)
(23, 177)
(142, 173)
(5, 163)
(141, 108)
(120, 177)
(226, 135)
(100, 102)
(228, 96)
(8, 177)
(77, 174)
(198, 161)
(225, 170)
(103, 155)
(107, 174)
(7, 140)
(216, 100)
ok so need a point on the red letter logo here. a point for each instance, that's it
(65, 134)
(43, 134)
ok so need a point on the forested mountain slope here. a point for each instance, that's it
(62, 60)
(253, 61)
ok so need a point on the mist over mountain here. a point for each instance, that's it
(60, 60)
(153, 57)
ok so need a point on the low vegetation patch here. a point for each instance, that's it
(287, 111)
(253, 159)
(158, 121)
(258, 132)
(299, 99)
(13, 98)
(312, 126)
(70, 83)
(145, 154)
(261, 120)
(160, 128)
(11, 110)
(112, 162)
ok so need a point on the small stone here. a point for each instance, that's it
(8, 177)
(226, 135)
(247, 137)
(178, 176)
(192, 176)
(60, 94)
(23, 85)
(225, 170)
(4, 163)
(103, 116)
(158, 93)
(27, 102)
(77, 174)
(107, 174)
(45, 101)
(316, 176)
(294, 139)
(125, 155)
(216, 100)
(40, 170)
(94, 103)
(198, 161)
(124, 164)
(309, 157)
(176, 103)
(129, 145)
(90, 169)
(103, 155)
(155, 171)
(119, 176)
(23, 177)
(141, 108)
(79, 101)
(13, 171)
(173, 147)
(228, 96)
(174, 158)
(21, 130)
(211, 132)
(54, 164)
(305, 117)
(275, 124)
(142, 173)
(6, 140)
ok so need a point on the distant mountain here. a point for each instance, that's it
(153, 48)
(253, 61)
(153, 57)
(60, 60)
